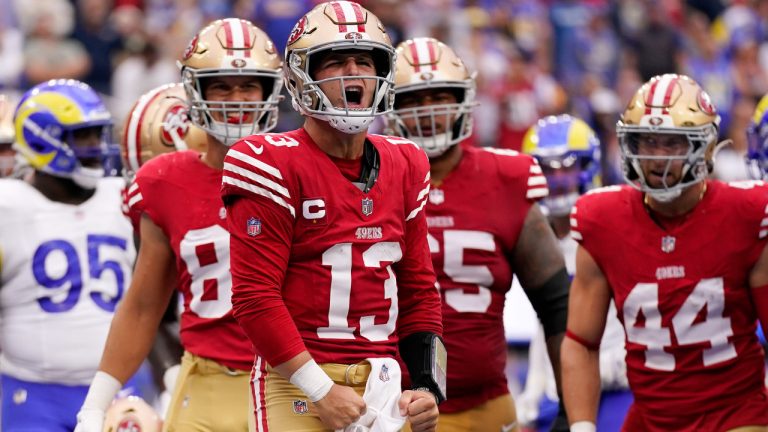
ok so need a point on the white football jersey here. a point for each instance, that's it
(63, 269)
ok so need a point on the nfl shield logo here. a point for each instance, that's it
(384, 374)
(253, 227)
(667, 244)
(367, 206)
(300, 407)
(436, 196)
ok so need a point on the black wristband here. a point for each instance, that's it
(424, 355)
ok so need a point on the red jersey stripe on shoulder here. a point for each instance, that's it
(421, 200)
(255, 163)
(250, 187)
(256, 178)
(764, 225)
(134, 195)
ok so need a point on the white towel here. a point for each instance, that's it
(382, 393)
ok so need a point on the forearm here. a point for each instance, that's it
(131, 336)
(288, 368)
(581, 381)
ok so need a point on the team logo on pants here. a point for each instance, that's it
(300, 407)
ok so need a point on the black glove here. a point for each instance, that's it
(561, 421)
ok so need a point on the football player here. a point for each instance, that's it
(66, 254)
(684, 258)
(476, 249)
(568, 152)
(231, 75)
(329, 254)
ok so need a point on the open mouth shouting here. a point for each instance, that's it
(353, 94)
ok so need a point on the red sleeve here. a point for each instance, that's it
(258, 262)
(260, 217)
(418, 298)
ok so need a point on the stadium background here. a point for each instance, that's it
(533, 58)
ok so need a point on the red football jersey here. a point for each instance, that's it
(475, 218)
(181, 194)
(317, 263)
(682, 293)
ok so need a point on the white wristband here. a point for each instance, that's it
(583, 426)
(103, 389)
(312, 380)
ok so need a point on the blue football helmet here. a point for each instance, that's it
(757, 138)
(47, 121)
(569, 154)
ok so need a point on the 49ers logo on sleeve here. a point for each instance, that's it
(298, 31)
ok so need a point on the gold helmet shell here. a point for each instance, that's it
(232, 47)
(159, 123)
(338, 25)
(670, 104)
(428, 64)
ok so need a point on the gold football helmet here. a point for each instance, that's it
(159, 123)
(232, 47)
(338, 25)
(669, 104)
(426, 64)
(131, 414)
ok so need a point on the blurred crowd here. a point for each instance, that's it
(532, 57)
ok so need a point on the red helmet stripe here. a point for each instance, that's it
(228, 35)
(649, 98)
(668, 94)
(432, 55)
(415, 56)
(358, 16)
(340, 17)
(247, 38)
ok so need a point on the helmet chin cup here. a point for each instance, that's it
(664, 195)
(228, 134)
(435, 145)
(349, 125)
